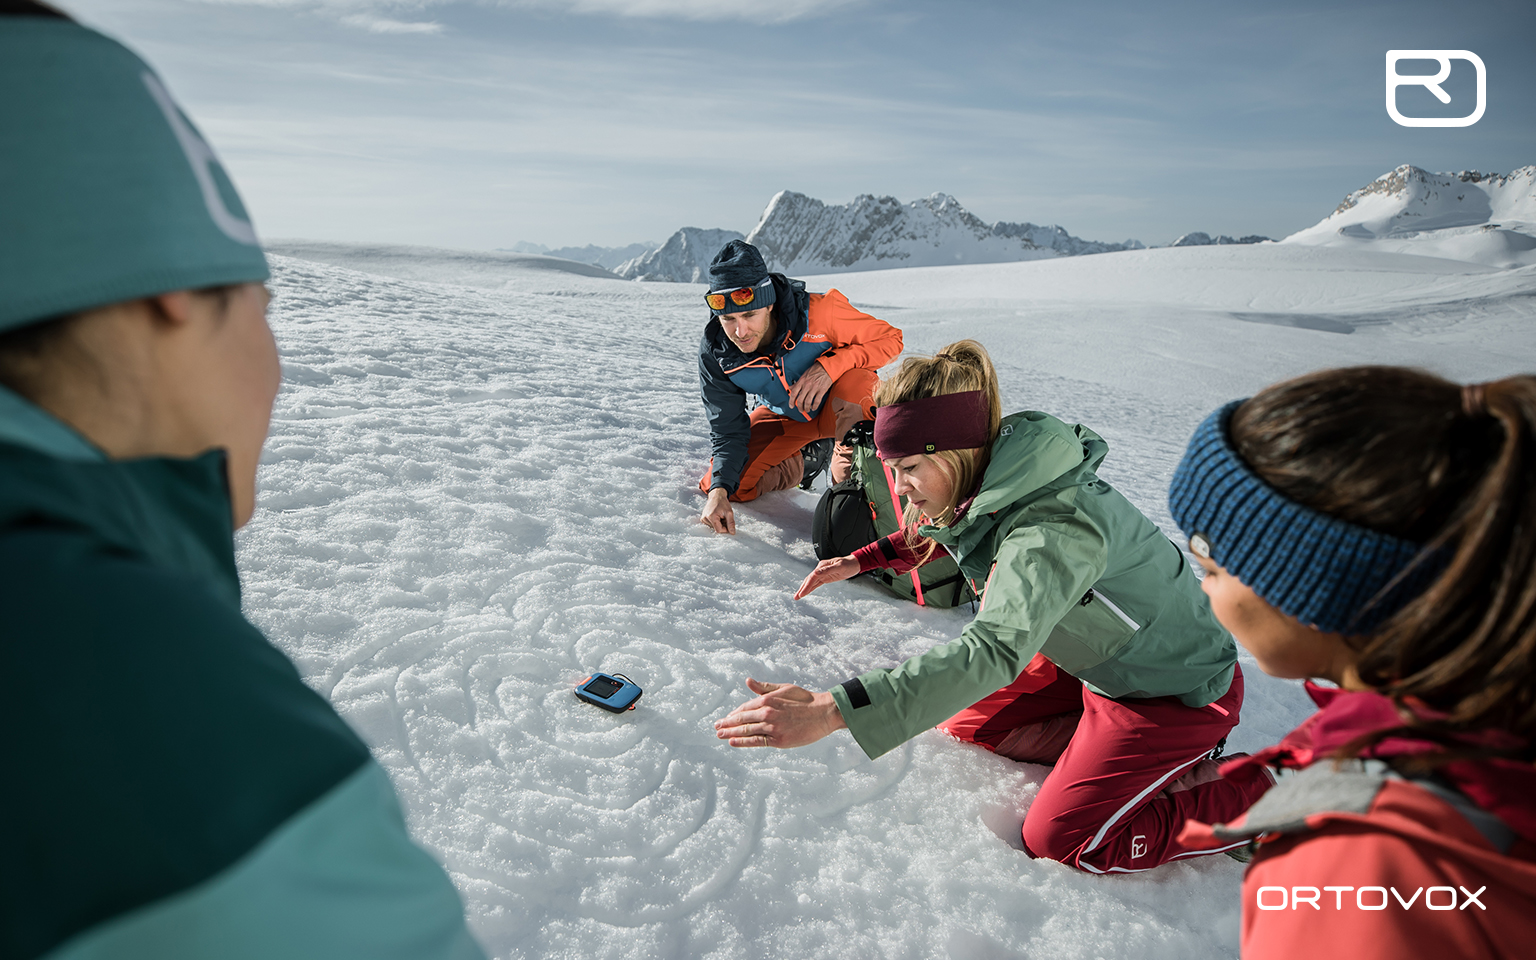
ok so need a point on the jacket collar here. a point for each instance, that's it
(27, 425)
(1033, 451)
(174, 513)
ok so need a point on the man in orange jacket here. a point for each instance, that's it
(810, 357)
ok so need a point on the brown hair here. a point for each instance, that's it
(1408, 453)
(961, 367)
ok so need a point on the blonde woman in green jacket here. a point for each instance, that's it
(1093, 651)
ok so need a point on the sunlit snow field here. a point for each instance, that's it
(479, 490)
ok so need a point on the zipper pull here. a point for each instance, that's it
(1087, 599)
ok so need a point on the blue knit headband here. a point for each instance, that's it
(1323, 571)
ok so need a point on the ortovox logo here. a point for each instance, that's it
(203, 162)
(929, 448)
(1367, 898)
(1431, 82)
(1138, 846)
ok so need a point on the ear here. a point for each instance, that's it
(176, 309)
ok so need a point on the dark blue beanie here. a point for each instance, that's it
(1325, 572)
(738, 265)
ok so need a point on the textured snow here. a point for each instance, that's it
(477, 491)
(800, 234)
(1476, 217)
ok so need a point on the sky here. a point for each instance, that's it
(477, 124)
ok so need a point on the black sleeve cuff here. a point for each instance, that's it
(857, 695)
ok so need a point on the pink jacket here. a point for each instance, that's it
(1355, 861)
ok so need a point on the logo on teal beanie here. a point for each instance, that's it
(124, 198)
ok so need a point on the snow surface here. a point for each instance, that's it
(478, 491)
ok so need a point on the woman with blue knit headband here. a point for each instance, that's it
(173, 789)
(1093, 651)
(1376, 527)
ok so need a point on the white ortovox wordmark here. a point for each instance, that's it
(203, 161)
(1431, 82)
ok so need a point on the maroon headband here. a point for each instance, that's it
(955, 421)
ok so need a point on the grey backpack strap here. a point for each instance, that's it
(1320, 788)
(1350, 787)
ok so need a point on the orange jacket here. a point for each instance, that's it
(819, 328)
(855, 339)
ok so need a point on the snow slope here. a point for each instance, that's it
(472, 268)
(799, 234)
(609, 258)
(474, 495)
(1476, 217)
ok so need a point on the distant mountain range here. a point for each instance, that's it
(1485, 218)
(684, 258)
(801, 235)
(1201, 239)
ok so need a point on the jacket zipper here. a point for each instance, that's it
(1091, 594)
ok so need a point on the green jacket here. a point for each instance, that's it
(173, 789)
(1070, 569)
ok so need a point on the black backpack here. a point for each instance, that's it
(859, 511)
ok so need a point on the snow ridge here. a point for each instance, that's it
(802, 235)
(1485, 218)
(609, 258)
(684, 258)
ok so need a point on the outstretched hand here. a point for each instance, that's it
(782, 715)
(828, 571)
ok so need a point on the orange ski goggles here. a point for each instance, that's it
(741, 297)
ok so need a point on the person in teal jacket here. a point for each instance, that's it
(1094, 649)
(173, 789)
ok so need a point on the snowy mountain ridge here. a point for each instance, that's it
(801, 235)
(1486, 218)
(1200, 238)
(684, 258)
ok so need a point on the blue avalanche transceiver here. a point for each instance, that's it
(613, 692)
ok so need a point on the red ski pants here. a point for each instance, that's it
(1128, 773)
(773, 461)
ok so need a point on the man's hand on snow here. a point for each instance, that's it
(782, 715)
(807, 392)
(828, 571)
(718, 515)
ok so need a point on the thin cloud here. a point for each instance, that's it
(373, 15)
(373, 24)
(781, 11)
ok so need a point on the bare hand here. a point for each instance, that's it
(828, 571)
(718, 515)
(782, 715)
(813, 384)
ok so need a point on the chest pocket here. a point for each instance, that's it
(1095, 630)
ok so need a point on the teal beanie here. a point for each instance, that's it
(107, 191)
